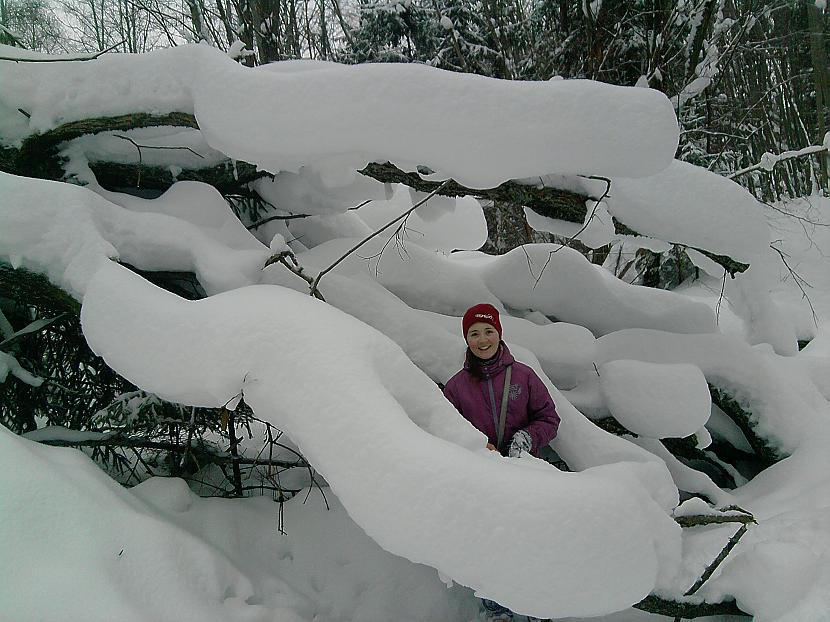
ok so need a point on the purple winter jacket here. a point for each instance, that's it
(529, 407)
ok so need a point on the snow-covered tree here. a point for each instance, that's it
(327, 308)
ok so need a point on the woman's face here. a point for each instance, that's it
(483, 340)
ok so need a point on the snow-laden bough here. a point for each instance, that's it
(412, 473)
(480, 131)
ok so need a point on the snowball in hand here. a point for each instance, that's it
(656, 401)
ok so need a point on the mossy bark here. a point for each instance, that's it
(765, 452)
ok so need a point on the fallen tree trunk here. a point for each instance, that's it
(689, 611)
(37, 157)
(765, 452)
(554, 203)
(684, 449)
(226, 177)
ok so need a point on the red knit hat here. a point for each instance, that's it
(481, 313)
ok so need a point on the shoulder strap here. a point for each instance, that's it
(503, 414)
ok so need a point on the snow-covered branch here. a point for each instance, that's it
(23, 58)
(769, 160)
(9, 364)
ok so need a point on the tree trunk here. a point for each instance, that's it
(818, 54)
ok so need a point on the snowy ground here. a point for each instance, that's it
(423, 518)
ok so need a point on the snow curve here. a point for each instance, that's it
(480, 131)
(409, 470)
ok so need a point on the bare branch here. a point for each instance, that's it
(316, 283)
(259, 223)
(587, 222)
(767, 163)
(798, 279)
(697, 520)
(710, 569)
(171, 147)
(62, 59)
(289, 260)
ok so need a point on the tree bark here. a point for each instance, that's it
(688, 611)
(818, 55)
(554, 203)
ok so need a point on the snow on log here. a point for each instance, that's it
(480, 131)
(656, 401)
(65, 231)
(560, 282)
(689, 205)
(406, 466)
(548, 278)
(785, 408)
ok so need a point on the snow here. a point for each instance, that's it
(786, 408)
(560, 282)
(387, 98)
(181, 147)
(40, 484)
(656, 401)
(308, 191)
(111, 547)
(433, 506)
(397, 113)
(352, 381)
(596, 231)
(443, 223)
(9, 365)
(687, 204)
(60, 433)
(66, 231)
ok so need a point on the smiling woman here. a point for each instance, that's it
(500, 396)
(503, 398)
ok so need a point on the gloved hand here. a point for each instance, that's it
(521, 443)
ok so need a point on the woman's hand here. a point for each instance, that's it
(491, 447)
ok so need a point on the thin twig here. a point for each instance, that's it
(171, 147)
(798, 279)
(259, 223)
(710, 569)
(802, 219)
(315, 285)
(190, 430)
(294, 267)
(366, 202)
(720, 298)
(587, 222)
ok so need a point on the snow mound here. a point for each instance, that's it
(407, 467)
(54, 498)
(785, 407)
(78, 546)
(687, 204)
(197, 203)
(656, 401)
(561, 282)
(459, 225)
(65, 232)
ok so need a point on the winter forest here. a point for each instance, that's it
(237, 238)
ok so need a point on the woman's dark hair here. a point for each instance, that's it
(477, 366)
